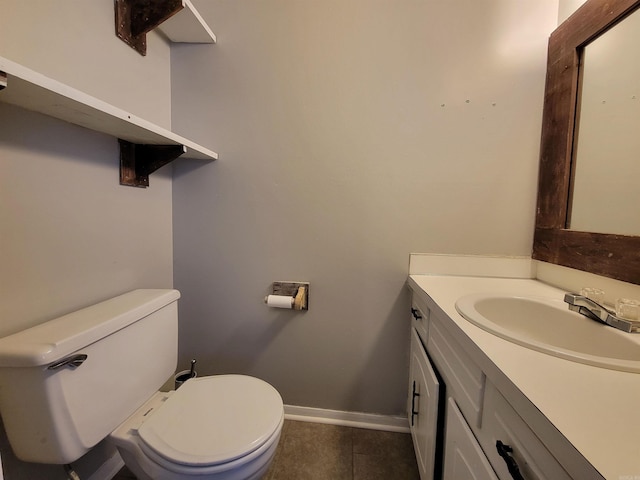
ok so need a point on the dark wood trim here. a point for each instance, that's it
(138, 161)
(148, 14)
(123, 28)
(3, 80)
(135, 18)
(615, 256)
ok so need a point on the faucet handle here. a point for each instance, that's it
(592, 293)
(628, 308)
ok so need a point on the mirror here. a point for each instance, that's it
(605, 186)
(603, 253)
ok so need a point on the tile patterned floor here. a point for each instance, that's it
(314, 451)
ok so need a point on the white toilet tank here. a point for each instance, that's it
(55, 403)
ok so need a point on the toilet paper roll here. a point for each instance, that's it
(279, 301)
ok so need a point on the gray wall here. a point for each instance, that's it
(70, 235)
(567, 7)
(350, 134)
(74, 42)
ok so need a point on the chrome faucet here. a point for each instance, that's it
(593, 310)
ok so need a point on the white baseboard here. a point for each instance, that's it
(347, 419)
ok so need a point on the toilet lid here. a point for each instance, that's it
(212, 420)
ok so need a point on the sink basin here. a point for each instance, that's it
(547, 325)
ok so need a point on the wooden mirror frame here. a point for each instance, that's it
(615, 256)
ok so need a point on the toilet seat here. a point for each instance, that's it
(266, 450)
(185, 431)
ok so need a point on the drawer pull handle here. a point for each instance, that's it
(505, 452)
(414, 413)
(416, 314)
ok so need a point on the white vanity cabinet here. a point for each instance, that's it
(475, 433)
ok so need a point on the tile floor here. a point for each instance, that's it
(314, 451)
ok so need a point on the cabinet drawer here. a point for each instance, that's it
(501, 423)
(420, 317)
(462, 376)
(463, 457)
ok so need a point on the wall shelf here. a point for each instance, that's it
(33, 91)
(177, 19)
(187, 26)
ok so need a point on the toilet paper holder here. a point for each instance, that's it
(298, 291)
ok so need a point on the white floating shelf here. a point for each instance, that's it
(33, 91)
(187, 26)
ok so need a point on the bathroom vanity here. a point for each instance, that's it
(484, 407)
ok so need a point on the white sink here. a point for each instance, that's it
(547, 325)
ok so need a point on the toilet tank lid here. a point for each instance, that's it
(53, 340)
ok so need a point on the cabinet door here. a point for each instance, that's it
(422, 409)
(463, 457)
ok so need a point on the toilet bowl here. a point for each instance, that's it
(218, 427)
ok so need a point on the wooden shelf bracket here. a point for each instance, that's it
(138, 161)
(135, 18)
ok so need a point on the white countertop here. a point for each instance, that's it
(597, 410)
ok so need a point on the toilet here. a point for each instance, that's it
(94, 374)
